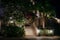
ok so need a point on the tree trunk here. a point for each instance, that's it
(38, 17)
(43, 20)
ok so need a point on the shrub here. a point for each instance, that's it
(13, 31)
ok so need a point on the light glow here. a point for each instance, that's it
(50, 31)
(38, 31)
(11, 22)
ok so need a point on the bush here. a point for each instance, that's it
(13, 31)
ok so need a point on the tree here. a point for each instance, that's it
(45, 8)
(12, 9)
(17, 8)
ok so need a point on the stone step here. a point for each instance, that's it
(29, 31)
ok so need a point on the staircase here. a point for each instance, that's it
(29, 31)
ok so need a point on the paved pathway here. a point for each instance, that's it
(33, 38)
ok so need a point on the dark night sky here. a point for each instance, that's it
(55, 3)
(1, 9)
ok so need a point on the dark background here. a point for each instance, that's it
(56, 4)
